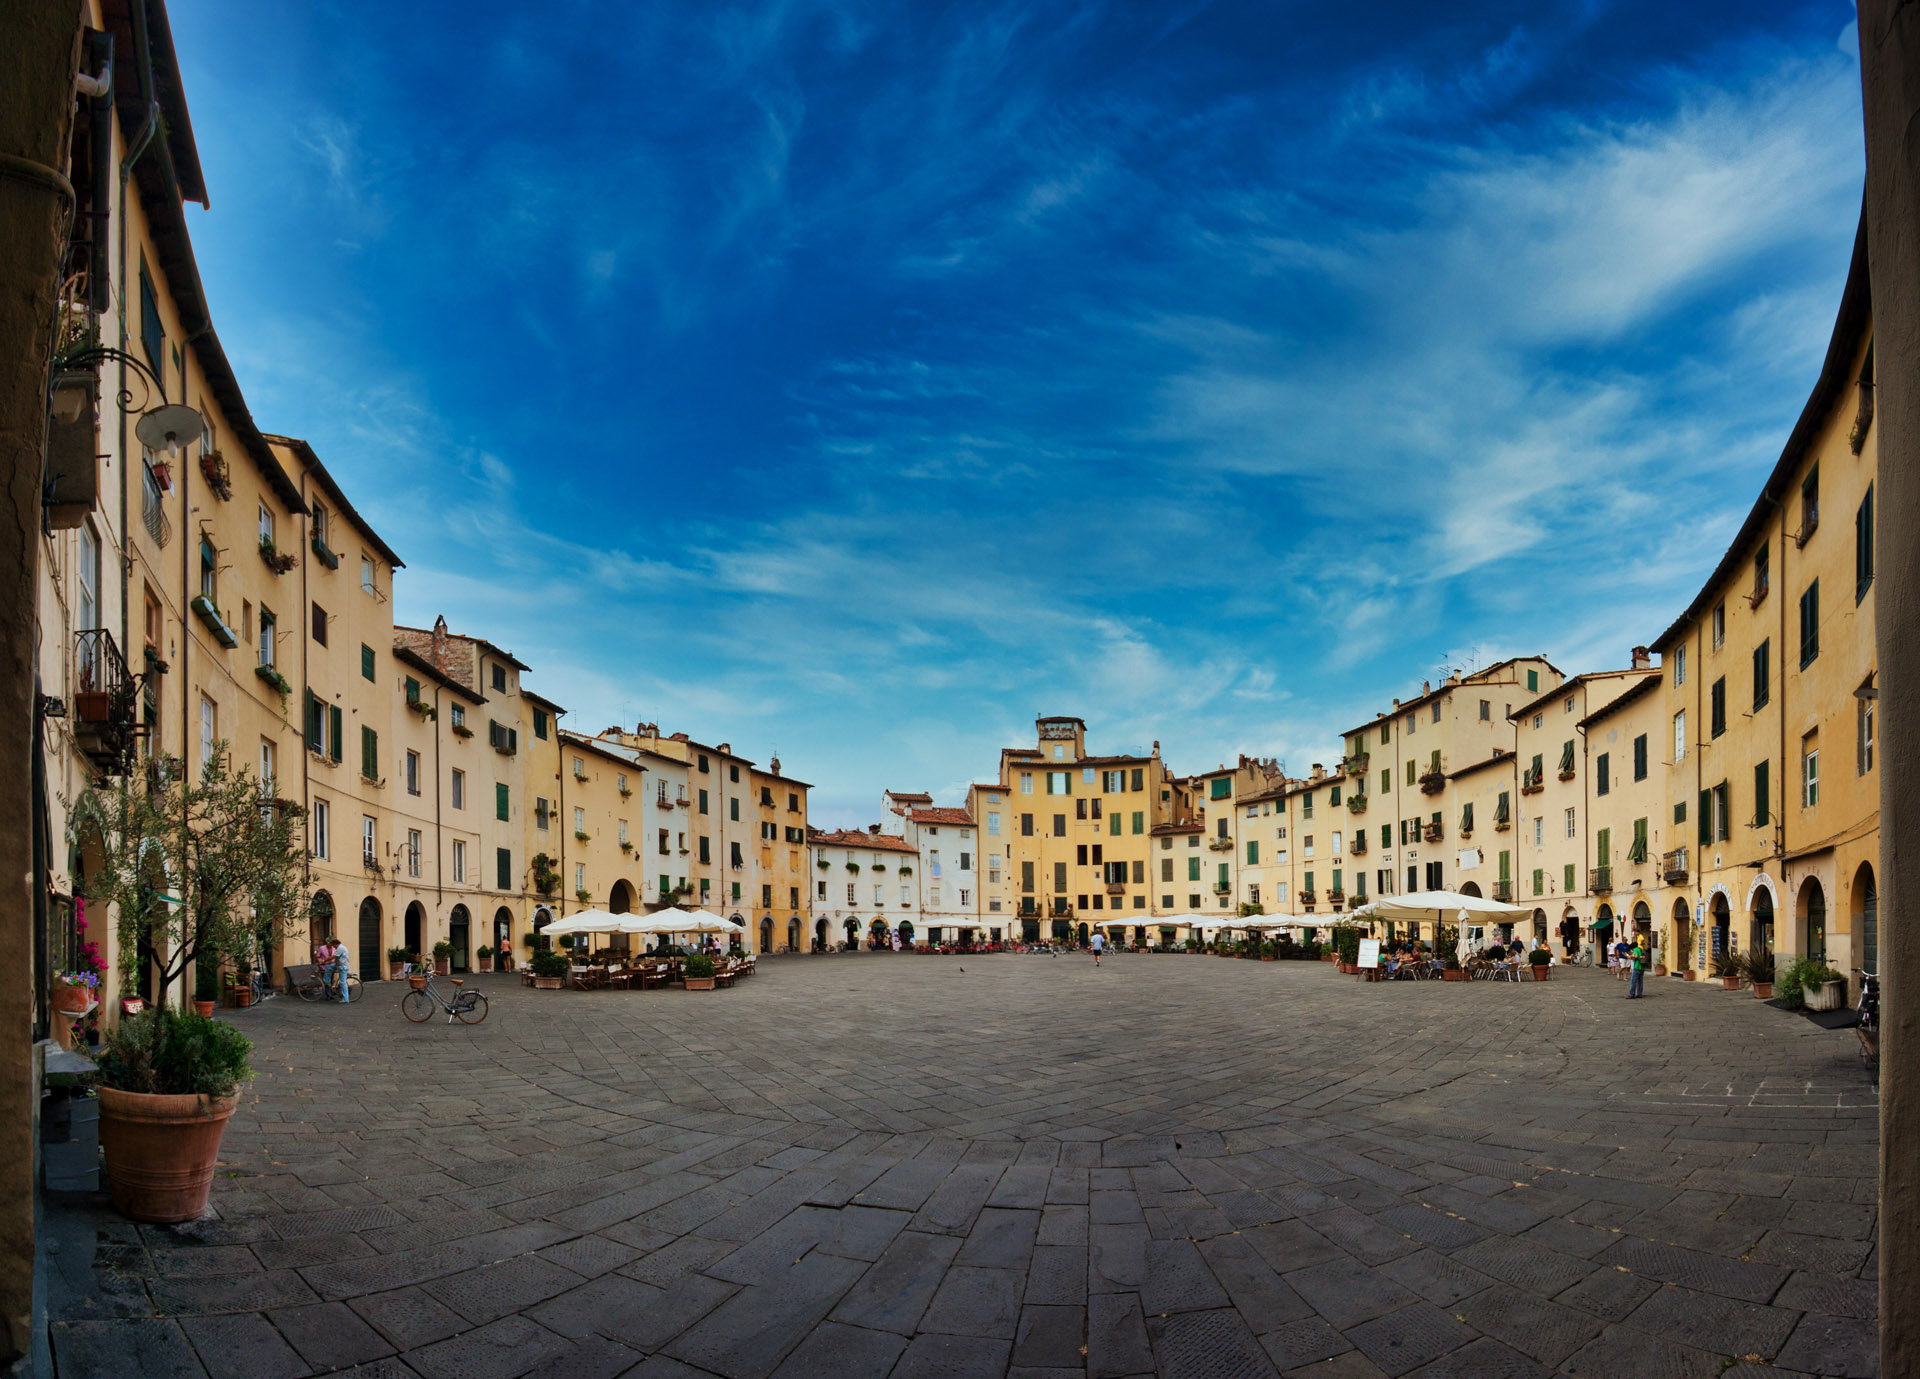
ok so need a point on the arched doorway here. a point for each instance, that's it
(367, 956)
(793, 934)
(1682, 937)
(1603, 934)
(416, 925)
(459, 934)
(503, 936)
(906, 933)
(877, 932)
(733, 939)
(1719, 918)
(321, 913)
(766, 933)
(853, 933)
(820, 939)
(1866, 917)
(1083, 934)
(620, 898)
(1811, 919)
(1470, 888)
(1760, 922)
(542, 917)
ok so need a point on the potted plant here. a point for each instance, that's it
(74, 992)
(442, 958)
(1453, 971)
(549, 969)
(485, 955)
(167, 1084)
(240, 986)
(397, 959)
(1727, 967)
(697, 972)
(1759, 973)
(1541, 961)
(583, 895)
(1825, 989)
(206, 989)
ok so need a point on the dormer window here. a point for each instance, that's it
(500, 679)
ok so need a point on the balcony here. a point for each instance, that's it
(1433, 782)
(1221, 887)
(1308, 898)
(1220, 844)
(1673, 867)
(1433, 833)
(1503, 891)
(153, 511)
(1600, 880)
(1531, 782)
(1356, 765)
(1358, 846)
(104, 722)
(1501, 823)
(1809, 523)
(1336, 897)
(504, 740)
(325, 552)
(1356, 804)
(1116, 888)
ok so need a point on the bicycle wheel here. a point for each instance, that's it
(311, 990)
(417, 1006)
(353, 989)
(472, 1008)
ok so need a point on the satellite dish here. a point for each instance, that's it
(170, 427)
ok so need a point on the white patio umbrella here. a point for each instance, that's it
(592, 922)
(1437, 907)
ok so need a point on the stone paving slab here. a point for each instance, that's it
(1166, 1166)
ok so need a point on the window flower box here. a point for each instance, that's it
(583, 837)
(325, 552)
(275, 679)
(205, 609)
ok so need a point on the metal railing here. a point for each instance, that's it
(1673, 865)
(153, 511)
(1600, 880)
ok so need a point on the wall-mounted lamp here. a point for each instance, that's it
(169, 428)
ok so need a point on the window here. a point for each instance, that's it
(1436, 713)
(1809, 771)
(1762, 795)
(366, 575)
(1722, 813)
(580, 877)
(1680, 736)
(733, 773)
(267, 625)
(1761, 574)
(411, 688)
(1680, 665)
(1809, 506)
(366, 662)
(1026, 782)
(1337, 841)
(319, 625)
(579, 819)
(1810, 625)
(1539, 881)
(1253, 853)
(733, 808)
(1719, 624)
(1386, 780)
(459, 861)
(705, 849)
(1717, 708)
(703, 802)
(1026, 825)
(503, 868)
(1221, 786)
(1602, 778)
(1533, 682)
(1193, 869)
(413, 852)
(993, 825)
(413, 773)
(1572, 823)
(500, 803)
(1567, 879)
(369, 846)
(1762, 674)
(500, 679)
(1863, 547)
(851, 898)
(1640, 757)
(701, 759)
(1059, 825)
(1539, 830)
(459, 715)
(459, 789)
(1863, 729)
(369, 753)
(1306, 803)
(269, 766)
(322, 828)
(1486, 711)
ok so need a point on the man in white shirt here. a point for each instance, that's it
(1099, 945)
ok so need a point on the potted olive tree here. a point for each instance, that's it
(168, 1084)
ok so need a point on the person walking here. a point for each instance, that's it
(1099, 945)
(1638, 957)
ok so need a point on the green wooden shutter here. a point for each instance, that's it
(1466, 817)
(1762, 795)
(1193, 869)
(369, 753)
(336, 729)
(1639, 853)
(1308, 888)
(1114, 820)
(1506, 866)
(1570, 886)
(1139, 821)
(366, 661)
(1539, 881)
(1253, 852)
(1386, 779)
(1386, 835)
(1603, 847)
(500, 800)
(316, 730)
(1706, 817)
(1533, 681)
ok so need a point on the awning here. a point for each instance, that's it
(1602, 924)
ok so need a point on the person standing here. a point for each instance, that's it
(1099, 945)
(341, 963)
(1638, 957)
(1569, 937)
(323, 960)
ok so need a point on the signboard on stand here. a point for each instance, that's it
(1369, 953)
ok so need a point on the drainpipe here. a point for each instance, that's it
(143, 66)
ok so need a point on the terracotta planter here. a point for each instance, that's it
(540, 983)
(1265, 958)
(1688, 975)
(1659, 970)
(395, 970)
(161, 1151)
(699, 983)
(242, 998)
(1454, 974)
(486, 964)
(442, 966)
(203, 1008)
(1763, 991)
(418, 981)
(1730, 983)
(71, 1000)
(1541, 974)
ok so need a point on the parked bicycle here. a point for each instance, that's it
(468, 1007)
(319, 987)
(1869, 1027)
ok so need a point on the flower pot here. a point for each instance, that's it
(1265, 958)
(396, 970)
(203, 1008)
(1659, 969)
(1826, 996)
(486, 964)
(541, 983)
(161, 1151)
(71, 1000)
(1454, 974)
(1542, 973)
(1763, 991)
(442, 966)
(418, 980)
(699, 983)
(1730, 983)
(242, 998)
(1687, 975)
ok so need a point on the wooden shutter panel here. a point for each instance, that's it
(316, 732)
(336, 729)
(1603, 847)
(1706, 819)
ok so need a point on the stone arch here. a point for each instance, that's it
(542, 917)
(1471, 888)
(367, 954)
(1719, 921)
(1760, 936)
(766, 933)
(906, 933)
(503, 931)
(1810, 919)
(320, 916)
(793, 934)
(620, 898)
(1864, 906)
(853, 932)
(1682, 934)
(460, 935)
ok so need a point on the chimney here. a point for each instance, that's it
(1396, 704)
(1319, 771)
(874, 829)
(1426, 687)
(1642, 658)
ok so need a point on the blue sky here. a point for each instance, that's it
(859, 380)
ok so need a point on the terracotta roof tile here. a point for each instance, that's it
(941, 816)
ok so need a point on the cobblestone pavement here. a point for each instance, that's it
(886, 1165)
